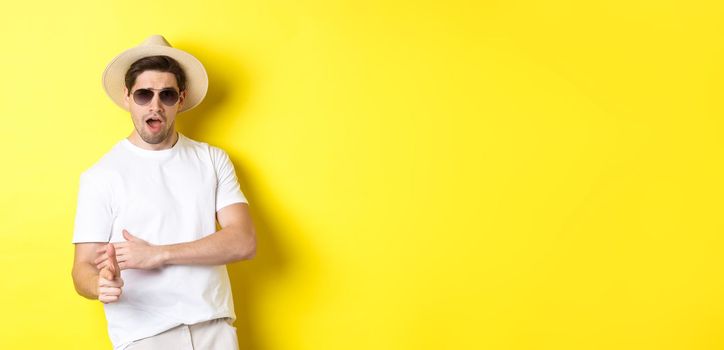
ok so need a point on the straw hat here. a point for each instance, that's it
(197, 82)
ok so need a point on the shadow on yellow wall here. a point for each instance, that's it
(247, 277)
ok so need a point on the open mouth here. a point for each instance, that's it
(154, 123)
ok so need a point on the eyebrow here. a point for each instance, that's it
(163, 88)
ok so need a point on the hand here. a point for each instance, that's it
(109, 278)
(135, 253)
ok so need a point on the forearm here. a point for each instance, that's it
(85, 280)
(225, 246)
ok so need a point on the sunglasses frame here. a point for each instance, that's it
(156, 92)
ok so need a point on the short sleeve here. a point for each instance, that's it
(93, 216)
(228, 190)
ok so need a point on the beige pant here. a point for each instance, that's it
(217, 334)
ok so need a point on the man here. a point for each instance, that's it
(145, 236)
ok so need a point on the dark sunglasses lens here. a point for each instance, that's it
(168, 97)
(142, 96)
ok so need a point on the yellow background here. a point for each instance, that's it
(422, 175)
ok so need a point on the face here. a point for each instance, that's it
(154, 122)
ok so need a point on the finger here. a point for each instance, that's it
(112, 262)
(101, 250)
(123, 265)
(100, 259)
(104, 283)
(108, 298)
(106, 274)
(116, 283)
(120, 245)
(131, 238)
(111, 291)
(128, 236)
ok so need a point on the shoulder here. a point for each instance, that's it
(215, 153)
(105, 167)
(191, 143)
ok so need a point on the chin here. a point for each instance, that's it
(154, 140)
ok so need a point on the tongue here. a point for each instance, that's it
(155, 125)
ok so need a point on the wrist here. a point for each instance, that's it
(164, 255)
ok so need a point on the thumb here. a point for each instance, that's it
(113, 267)
(131, 238)
(106, 274)
(128, 236)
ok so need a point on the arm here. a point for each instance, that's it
(104, 285)
(85, 273)
(235, 241)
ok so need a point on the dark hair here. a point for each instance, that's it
(157, 63)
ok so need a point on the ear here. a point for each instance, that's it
(181, 99)
(126, 98)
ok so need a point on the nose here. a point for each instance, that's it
(155, 104)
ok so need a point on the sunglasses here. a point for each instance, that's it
(142, 97)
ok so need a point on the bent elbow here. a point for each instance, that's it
(250, 251)
(247, 250)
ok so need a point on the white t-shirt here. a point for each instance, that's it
(163, 197)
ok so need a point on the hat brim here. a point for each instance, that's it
(197, 81)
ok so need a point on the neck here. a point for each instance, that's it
(169, 142)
